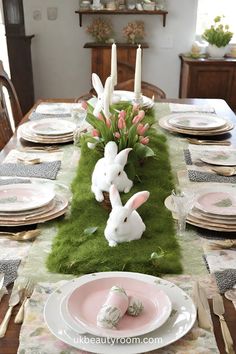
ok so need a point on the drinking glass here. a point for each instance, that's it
(78, 114)
(183, 202)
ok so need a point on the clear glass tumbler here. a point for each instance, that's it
(78, 114)
(183, 202)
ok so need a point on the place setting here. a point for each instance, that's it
(195, 123)
(212, 207)
(211, 164)
(116, 307)
(30, 203)
(48, 131)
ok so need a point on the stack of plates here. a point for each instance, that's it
(214, 209)
(196, 124)
(71, 311)
(26, 204)
(48, 131)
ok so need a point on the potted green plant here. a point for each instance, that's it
(218, 36)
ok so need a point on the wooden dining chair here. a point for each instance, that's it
(7, 89)
(148, 89)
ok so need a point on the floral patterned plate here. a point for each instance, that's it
(180, 321)
(52, 127)
(81, 307)
(19, 197)
(224, 158)
(217, 202)
(196, 121)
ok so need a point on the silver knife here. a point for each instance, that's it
(219, 310)
(203, 309)
(1, 280)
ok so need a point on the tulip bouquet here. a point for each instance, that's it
(128, 127)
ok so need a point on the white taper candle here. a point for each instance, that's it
(107, 95)
(137, 77)
(114, 64)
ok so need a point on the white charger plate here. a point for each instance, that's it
(80, 308)
(178, 324)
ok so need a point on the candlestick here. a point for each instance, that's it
(114, 64)
(106, 98)
(137, 77)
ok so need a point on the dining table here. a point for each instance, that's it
(10, 343)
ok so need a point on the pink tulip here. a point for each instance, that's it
(121, 123)
(141, 129)
(95, 133)
(84, 105)
(135, 107)
(108, 122)
(136, 119)
(100, 117)
(117, 135)
(122, 114)
(141, 114)
(145, 140)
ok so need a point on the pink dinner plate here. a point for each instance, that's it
(220, 203)
(84, 303)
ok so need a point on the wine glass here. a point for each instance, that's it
(78, 113)
(183, 202)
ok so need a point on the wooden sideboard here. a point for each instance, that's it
(208, 78)
(101, 60)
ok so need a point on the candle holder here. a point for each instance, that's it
(138, 98)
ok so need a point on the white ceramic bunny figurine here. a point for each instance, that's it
(124, 223)
(110, 170)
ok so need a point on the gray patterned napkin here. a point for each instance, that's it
(37, 116)
(9, 268)
(199, 176)
(187, 157)
(47, 170)
(225, 279)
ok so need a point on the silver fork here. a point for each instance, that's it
(27, 294)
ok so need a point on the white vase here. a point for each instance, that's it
(216, 52)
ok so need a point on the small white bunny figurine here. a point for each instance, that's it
(100, 90)
(124, 223)
(110, 170)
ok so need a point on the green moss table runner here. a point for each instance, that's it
(80, 246)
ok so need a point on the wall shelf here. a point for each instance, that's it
(121, 12)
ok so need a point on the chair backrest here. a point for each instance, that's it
(148, 90)
(14, 102)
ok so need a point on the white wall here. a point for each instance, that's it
(62, 67)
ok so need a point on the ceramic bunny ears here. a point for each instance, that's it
(132, 204)
(101, 93)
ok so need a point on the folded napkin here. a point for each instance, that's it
(55, 108)
(36, 337)
(113, 309)
(219, 260)
(225, 280)
(9, 268)
(179, 108)
(47, 170)
(199, 176)
(37, 116)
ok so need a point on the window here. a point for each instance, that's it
(209, 9)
